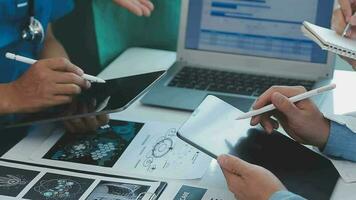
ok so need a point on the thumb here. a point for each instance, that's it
(233, 164)
(284, 105)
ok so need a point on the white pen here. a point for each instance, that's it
(294, 99)
(32, 61)
(347, 28)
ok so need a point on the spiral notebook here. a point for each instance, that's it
(329, 40)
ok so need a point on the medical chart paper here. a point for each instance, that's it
(29, 182)
(144, 149)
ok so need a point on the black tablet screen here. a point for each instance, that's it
(114, 95)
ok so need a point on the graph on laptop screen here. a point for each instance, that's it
(266, 28)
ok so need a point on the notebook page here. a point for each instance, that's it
(311, 36)
(331, 38)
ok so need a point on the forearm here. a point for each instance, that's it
(52, 47)
(7, 104)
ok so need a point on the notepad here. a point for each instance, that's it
(329, 40)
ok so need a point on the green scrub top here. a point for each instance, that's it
(117, 29)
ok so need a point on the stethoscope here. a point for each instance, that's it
(34, 31)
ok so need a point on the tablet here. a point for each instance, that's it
(102, 98)
(212, 128)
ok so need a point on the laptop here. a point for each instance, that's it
(236, 49)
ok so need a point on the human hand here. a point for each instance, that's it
(84, 124)
(47, 83)
(138, 7)
(248, 181)
(302, 120)
(341, 17)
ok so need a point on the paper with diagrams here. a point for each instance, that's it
(144, 149)
(29, 182)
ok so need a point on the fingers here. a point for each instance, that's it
(269, 124)
(233, 164)
(103, 119)
(138, 7)
(288, 91)
(65, 72)
(60, 99)
(266, 98)
(71, 78)
(91, 123)
(67, 89)
(144, 10)
(87, 124)
(339, 22)
(351, 33)
(148, 4)
(69, 127)
(233, 181)
(131, 6)
(284, 105)
(345, 6)
(62, 64)
(84, 124)
(77, 125)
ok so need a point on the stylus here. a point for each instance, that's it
(32, 61)
(294, 99)
(347, 28)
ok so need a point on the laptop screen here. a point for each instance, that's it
(266, 28)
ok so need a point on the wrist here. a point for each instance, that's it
(10, 103)
(7, 103)
(325, 130)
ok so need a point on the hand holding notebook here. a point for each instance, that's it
(329, 40)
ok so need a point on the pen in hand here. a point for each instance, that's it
(347, 28)
(32, 61)
(294, 99)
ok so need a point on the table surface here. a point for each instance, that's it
(139, 60)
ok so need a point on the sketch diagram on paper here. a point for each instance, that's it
(159, 152)
(124, 147)
(163, 146)
(101, 149)
(35, 183)
(168, 151)
(58, 187)
(118, 191)
(14, 180)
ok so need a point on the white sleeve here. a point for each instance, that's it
(349, 120)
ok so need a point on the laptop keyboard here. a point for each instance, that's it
(230, 82)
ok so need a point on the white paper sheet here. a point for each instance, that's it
(155, 152)
(28, 182)
(346, 169)
(159, 153)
